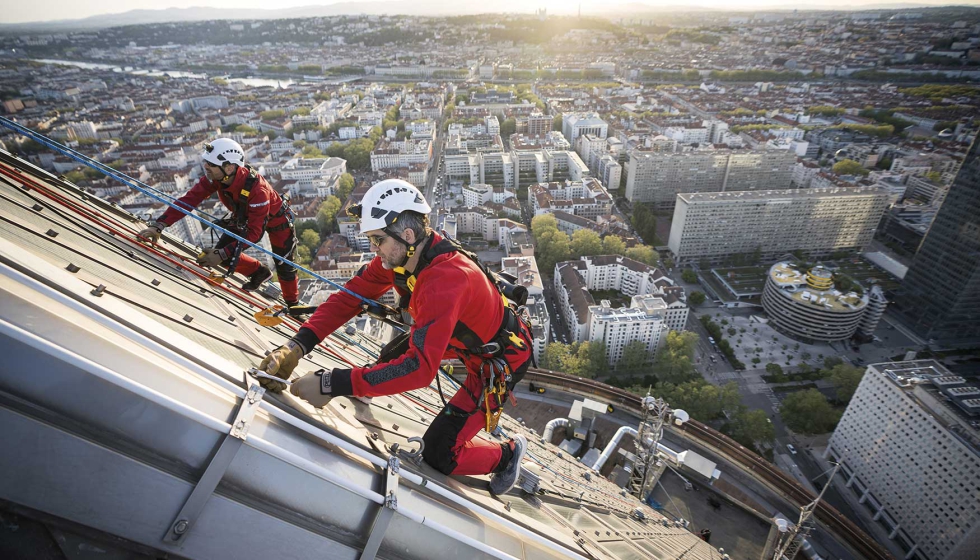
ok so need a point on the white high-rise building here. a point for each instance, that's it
(909, 449)
(819, 221)
(658, 177)
(644, 321)
(610, 172)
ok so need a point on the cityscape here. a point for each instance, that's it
(749, 243)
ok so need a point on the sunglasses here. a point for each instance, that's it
(377, 240)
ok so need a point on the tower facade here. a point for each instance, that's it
(940, 296)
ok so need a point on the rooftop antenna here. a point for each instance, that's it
(656, 412)
(792, 538)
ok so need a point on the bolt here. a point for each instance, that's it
(181, 527)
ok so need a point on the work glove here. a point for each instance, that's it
(212, 257)
(315, 388)
(280, 362)
(151, 233)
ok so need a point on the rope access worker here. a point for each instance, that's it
(458, 311)
(255, 208)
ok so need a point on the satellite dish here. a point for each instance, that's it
(782, 525)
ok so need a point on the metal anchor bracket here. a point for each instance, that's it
(383, 519)
(219, 464)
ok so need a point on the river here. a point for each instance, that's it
(250, 82)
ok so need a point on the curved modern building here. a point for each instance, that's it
(807, 306)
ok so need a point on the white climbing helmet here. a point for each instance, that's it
(386, 200)
(222, 151)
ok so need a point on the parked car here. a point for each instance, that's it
(791, 449)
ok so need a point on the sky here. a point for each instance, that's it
(47, 10)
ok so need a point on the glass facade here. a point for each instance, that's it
(940, 296)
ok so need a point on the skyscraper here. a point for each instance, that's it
(940, 296)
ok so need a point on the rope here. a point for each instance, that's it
(373, 306)
(121, 234)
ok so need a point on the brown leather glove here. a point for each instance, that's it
(212, 257)
(280, 362)
(151, 233)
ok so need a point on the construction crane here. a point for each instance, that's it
(793, 538)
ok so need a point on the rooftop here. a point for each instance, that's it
(775, 197)
(950, 399)
(815, 287)
(141, 333)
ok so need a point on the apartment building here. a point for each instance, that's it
(909, 449)
(642, 321)
(516, 168)
(657, 177)
(535, 124)
(610, 172)
(714, 226)
(577, 124)
(574, 280)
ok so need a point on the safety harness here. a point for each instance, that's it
(496, 375)
(238, 219)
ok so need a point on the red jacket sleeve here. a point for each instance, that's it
(372, 281)
(436, 317)
(200, 192)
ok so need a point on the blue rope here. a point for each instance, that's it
(149, 191)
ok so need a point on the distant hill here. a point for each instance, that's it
(420, 8)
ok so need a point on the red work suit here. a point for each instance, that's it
(453, 302)
(264, 212)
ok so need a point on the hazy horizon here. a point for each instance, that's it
(56, 10)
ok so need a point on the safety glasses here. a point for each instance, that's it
(377, 240)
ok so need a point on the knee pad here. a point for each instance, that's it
(285, 272)
(439, 440)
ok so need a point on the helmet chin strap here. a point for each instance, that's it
(409, 249)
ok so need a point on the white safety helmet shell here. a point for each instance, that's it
(222, 151)
(386, 200)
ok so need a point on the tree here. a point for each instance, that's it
(696, 298)
(613, 245)
(326, 215)
(344, 186)
(689, 276)
(845, 378)
(749, 426)
(508, 127)
(830, 361)
(554, 354)
(635, 356)
(312, 151)
(557, 122)
(310, 240)
(849, 167)
(592, 357)
(358, 153)
(644, 254)
(553, 247)
(543, 223)
(675, 361)
(585, 242)
(809, 412)
(774, 369)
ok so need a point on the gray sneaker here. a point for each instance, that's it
(502, 482)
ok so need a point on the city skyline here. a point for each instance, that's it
(144, 11)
